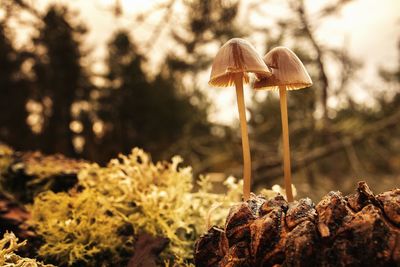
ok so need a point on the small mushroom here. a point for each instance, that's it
(231, 65)
(288, 73)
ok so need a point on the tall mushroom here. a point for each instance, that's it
(288, 73)
(231, 65)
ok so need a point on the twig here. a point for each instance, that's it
(319, 53)
(160, 26)
(319, 153)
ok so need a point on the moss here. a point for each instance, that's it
(44, 167)
(8, 258)
(25, 174)
(277, 189)
(159, 198)
(132, 193)
(78, 227)
(6, 158)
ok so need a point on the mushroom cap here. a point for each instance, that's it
(236, 56)
(287, 70)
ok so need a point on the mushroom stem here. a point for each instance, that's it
(245, 137)
(286, 147)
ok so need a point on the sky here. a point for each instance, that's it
(369, 28)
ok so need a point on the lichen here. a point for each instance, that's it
(41, 166)
(8, 258)
(159, 198)
(131, 192)
(5, 161)
(5, 158)
(277, 189)
(78, 227)
(45, 171)
(26, 174)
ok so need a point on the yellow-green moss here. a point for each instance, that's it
(77, 227)
(46, 171)
(42, 167)
(130, 191)
(5, 161)
(25, 174)
(8, 258)
(161, 195)
(5, 158)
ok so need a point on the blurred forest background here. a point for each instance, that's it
(52, 100)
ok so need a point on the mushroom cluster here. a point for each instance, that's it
(235, 59)
(362, 229)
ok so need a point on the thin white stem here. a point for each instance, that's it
(286, 146)
(245, 137)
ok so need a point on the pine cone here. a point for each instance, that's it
(357, 230)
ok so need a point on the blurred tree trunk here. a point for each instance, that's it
(14, 94)
(60, 76)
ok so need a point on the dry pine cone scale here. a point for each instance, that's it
(356, 230)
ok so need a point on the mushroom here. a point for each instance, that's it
(288, 73)
(231, 65)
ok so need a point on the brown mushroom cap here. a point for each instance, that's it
(287, 70)
(236, 56)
